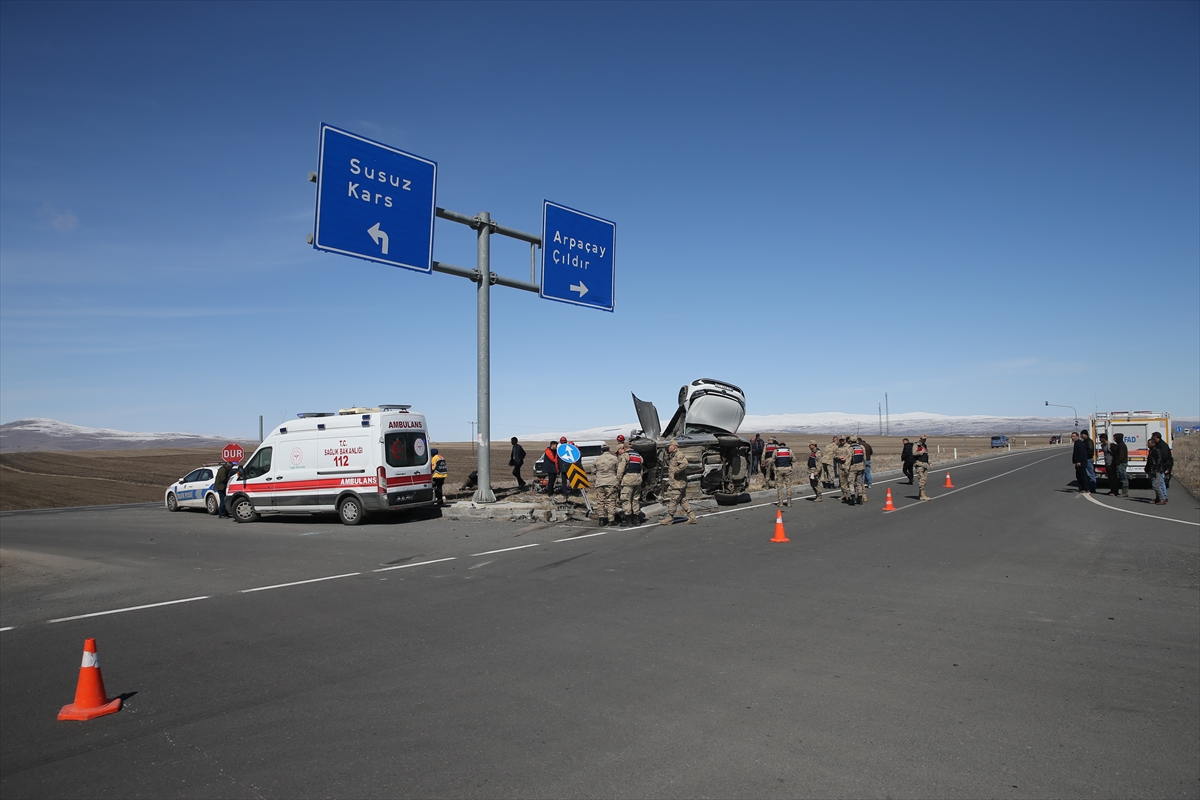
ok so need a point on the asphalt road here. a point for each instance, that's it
(1009, 639)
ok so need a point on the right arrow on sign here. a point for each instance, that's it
(575, 287)
(377, 234)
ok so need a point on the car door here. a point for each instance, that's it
(189, 488)
(257, 481)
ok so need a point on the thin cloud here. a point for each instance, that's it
(61, 221)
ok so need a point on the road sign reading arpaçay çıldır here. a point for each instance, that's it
(374, 201)
(577, 257)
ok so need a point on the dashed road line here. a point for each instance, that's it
(9, 628)
(298, 583)
(413, 564)
(505, 550)
(123, 610)
(1139, 513)
(481, 564)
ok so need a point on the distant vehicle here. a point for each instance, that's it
(1137, 427)
(705, 427)
(195, 490)
(354, 462)
(999, 441)
(1056, 439)
(588, 451)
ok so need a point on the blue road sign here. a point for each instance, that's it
(577, 257)
(568, 453)
(374, 201)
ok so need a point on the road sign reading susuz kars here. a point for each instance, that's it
(232, 453)
(374, 201)
(577, 257)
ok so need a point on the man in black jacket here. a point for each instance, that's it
(1089, 465)
(1158, 463)
(906, 460)
(1079, 457)
(516, 460)
(1118, 479)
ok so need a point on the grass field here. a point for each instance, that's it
(106, 477)
(1187, 463)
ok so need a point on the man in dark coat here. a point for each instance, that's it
(1118, 479)
(906, 460)
(515, 460)
(1159, 462)
(1079, 456)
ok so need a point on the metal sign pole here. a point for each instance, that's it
(483, 462)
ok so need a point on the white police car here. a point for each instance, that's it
(195, 490)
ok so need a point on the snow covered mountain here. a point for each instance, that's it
(47, 434)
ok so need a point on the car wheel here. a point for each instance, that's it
(728, 499)
(243, 510)
(350, 511)
(172, 503)
(212, 504)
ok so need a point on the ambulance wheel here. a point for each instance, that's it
(172, 503)
(350, 511)
(211, 505)
(243, 510)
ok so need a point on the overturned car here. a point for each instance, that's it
(705, 428)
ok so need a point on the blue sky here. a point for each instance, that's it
(973, 207)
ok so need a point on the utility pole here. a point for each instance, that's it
(887, 409)
(880, 418)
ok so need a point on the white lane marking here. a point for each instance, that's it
(977, 483)
(9, 628)
(123, 610)
(414, 564)
(299, 583)
(481, 564)
(505, 550)
(1138, 513)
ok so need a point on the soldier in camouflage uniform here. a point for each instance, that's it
(783, 463)
(921, 453)
(815, 460)
(857, 468)
(841, 458)
(827, 463)
(629, 476)
(768, 463)
(676, 495)
(604, 470)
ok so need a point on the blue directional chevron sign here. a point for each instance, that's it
(577, 257)
(374, 201)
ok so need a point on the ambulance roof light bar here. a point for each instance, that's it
(393, 407)
(308, 414)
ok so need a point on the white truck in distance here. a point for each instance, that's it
(1137, 427)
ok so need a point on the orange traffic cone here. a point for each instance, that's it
(888, 505)
(779, 534)
(948, 485)
(90, 699)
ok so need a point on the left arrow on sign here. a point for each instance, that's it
(575, 287)
(377, 234)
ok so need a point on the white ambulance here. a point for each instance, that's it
(354, 462)
(1137, 427)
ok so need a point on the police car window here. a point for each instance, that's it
(405, 449)
(194, 475)
(259, 465)
(205, 475)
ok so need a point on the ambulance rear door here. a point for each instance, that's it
(406, 456)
